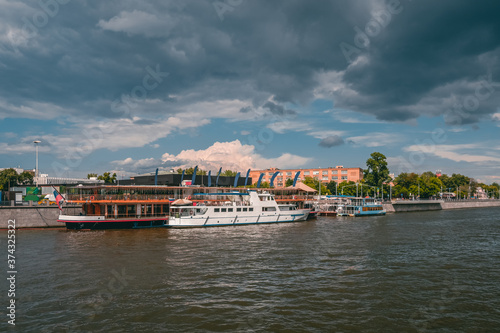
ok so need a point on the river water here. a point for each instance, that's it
(412, 272)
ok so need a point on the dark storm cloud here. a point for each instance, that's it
(428, 58)
(278, 110)
(430, 52)
(331, 141)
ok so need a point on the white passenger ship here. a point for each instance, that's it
(234, 209)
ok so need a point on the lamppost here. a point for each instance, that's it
(36, 142)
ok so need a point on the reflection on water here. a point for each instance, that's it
(414, 272)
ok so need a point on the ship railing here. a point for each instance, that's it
(292, 197)
(116, 197)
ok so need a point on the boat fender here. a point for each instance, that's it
(295, 197)
(92, 197)
(189, 198)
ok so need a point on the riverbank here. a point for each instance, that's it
(46, 217)
(428, 205)
(35, 216)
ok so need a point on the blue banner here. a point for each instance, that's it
(194, 175)
(295, 179)
(236, 179)
(217, 180)
(246, 179)
(182, 177)
(156, 177)
(260, 179)
(209, 178)
(272, 178)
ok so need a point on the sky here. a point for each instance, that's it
(129, 86)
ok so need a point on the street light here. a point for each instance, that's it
(36, 142)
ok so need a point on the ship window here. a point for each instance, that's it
(250, 209)
(165, 209)
(131, 210)
(223, 210)
(122, 210)
(238, 209)
(229, 209)
(147, 209)
(244, 209)
(110, 210)
(216, 210)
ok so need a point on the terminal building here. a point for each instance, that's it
(338, 174)
(173, 178)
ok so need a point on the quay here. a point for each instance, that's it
(34, 216)
(46, 216)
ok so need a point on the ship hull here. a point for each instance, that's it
(219, 221)
(102, 224)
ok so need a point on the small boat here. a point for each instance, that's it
(111, 215)
(361, 207)
(234, 208)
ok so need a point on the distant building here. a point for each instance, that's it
(44, 179)
(338, 174)
(174, 179)
(19, 170)
(481, 193)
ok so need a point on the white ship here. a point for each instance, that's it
(223, 209)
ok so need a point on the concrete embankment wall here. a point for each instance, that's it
(470, 204)
(426, 205)
(34, 217)
(389, 208)
(416, 206)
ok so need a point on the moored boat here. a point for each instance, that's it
(115, 207)
(236, 208)
(112, 215)
(361, 207)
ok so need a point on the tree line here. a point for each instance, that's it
(10, 177)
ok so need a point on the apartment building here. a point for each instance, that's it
(326, 175)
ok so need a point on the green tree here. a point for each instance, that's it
(411, 184)
(8, 178)
(190, 171)
(229, 173)
(289, 182)
(347, 188)
(314, 183)
(377, 171)
(90, 175)
(332, 187)
(108, 178)
(25, 178)
(429, 184)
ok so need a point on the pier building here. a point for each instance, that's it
(338, 174)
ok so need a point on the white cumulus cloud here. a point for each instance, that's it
(228, 155)
(138, 22)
